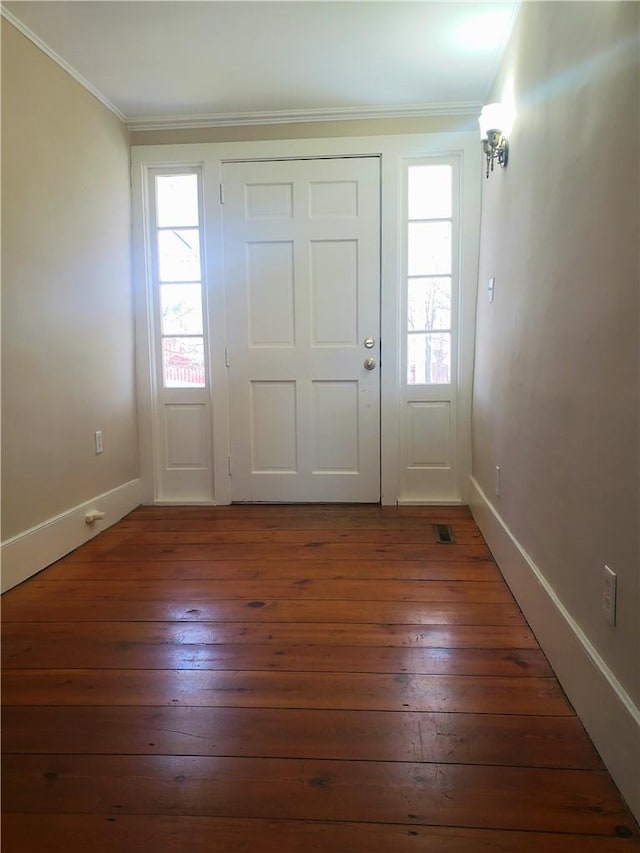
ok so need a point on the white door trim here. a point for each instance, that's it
(393, 151)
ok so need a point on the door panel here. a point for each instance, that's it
(302, 277)
(334, 283)
(335, 419)
(273, 427)
(270, 287)
(430, 434)
(187, 436)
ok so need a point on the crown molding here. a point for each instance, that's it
(457, 108)
(17, 23)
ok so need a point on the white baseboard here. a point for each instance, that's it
(606, 710)
(29, 552)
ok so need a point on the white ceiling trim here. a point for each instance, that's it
(61, 62)
(294, 116)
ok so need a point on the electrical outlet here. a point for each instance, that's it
(609, 589)
(496, 482)
(98, 438)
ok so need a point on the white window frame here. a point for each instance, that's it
(153, 228)
(454, 275)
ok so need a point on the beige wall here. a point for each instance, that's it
(556, 399)
(67, 317)
(308, 130)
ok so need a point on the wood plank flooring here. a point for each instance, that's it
(281, 679)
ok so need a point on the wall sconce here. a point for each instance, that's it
(493, 130)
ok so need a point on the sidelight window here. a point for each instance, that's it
(179, 273)
(430, 236)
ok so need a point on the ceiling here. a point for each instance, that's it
(163, 64)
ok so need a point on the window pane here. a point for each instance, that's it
(181, 309)
(429, 248)
(429, 359)
(183, 362)
(176, 200)
(179, 255)
(429, 304)
(429, 192)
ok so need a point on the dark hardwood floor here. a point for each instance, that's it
(284, 679)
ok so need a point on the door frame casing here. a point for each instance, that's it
(393, 152)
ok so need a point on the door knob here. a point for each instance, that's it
(369, 343)
(369, 363)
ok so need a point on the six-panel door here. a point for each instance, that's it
(302, 276)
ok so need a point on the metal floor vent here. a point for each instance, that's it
(444, 534)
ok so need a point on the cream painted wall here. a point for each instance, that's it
(308, 130)
(67, 312)
(556, 398)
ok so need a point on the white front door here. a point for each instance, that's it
(302, 278)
